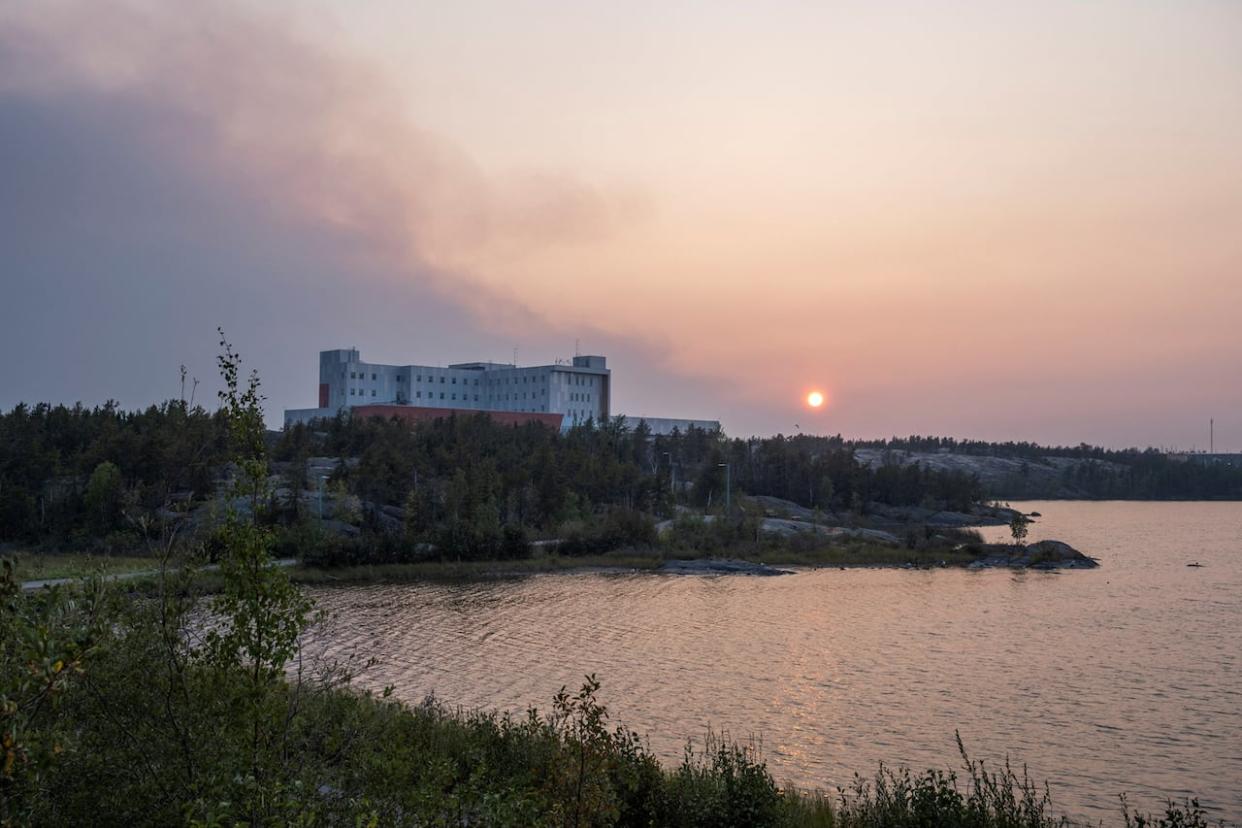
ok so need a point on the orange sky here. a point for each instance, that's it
(1004, 220)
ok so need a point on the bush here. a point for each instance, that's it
(515, 544)
(724, 784)
(616, 528)
(690, 532)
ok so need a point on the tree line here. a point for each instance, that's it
(77, 475)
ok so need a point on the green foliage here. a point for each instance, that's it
(724, 784)
(617, 528)
(1187, 815)
(530, 475)
(1018, 528)
(103, 497)
(49, 453)
(692, 533)
(46, 641)
(999, 799)
(261, 614)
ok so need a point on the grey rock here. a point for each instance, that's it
(1046, 555)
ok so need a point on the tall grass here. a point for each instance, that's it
(980, 799)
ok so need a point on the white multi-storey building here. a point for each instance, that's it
(578, 390)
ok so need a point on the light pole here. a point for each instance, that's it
(321, 479)
(728, 486)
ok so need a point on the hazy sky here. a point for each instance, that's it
(989, 219)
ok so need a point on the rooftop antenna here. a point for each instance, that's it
(577, 348)
(1211, 436)
(514, 356)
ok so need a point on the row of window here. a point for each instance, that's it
(432, 379)
(574, 379)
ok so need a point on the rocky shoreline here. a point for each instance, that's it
(1044, 556)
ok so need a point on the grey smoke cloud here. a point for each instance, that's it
(172, 168)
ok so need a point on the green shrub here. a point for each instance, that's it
(616, 528)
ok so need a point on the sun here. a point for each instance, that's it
(815, 399)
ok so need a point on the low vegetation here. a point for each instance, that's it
(33, 566)
(231, 725)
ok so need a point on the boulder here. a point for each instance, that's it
(1046, 554)
(1052, 554)
(785, 527)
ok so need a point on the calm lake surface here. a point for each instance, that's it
(1120, 679)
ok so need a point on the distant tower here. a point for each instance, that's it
(1211, 436)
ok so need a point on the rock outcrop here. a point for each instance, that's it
(785, 527)
(1003, 477)
(1046, 554)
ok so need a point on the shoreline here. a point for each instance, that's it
(729, 562)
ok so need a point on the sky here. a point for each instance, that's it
(998, 220)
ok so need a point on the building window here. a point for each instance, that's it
(418, 394)
(373, 378)
(442, 383)
(351, 392)
(372, 392)
(441, 395)
(419, 378)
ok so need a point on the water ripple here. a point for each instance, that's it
(1116, 680)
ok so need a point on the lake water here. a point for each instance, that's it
(1120, 679)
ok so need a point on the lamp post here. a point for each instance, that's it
(728, 486)
(321, 479)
